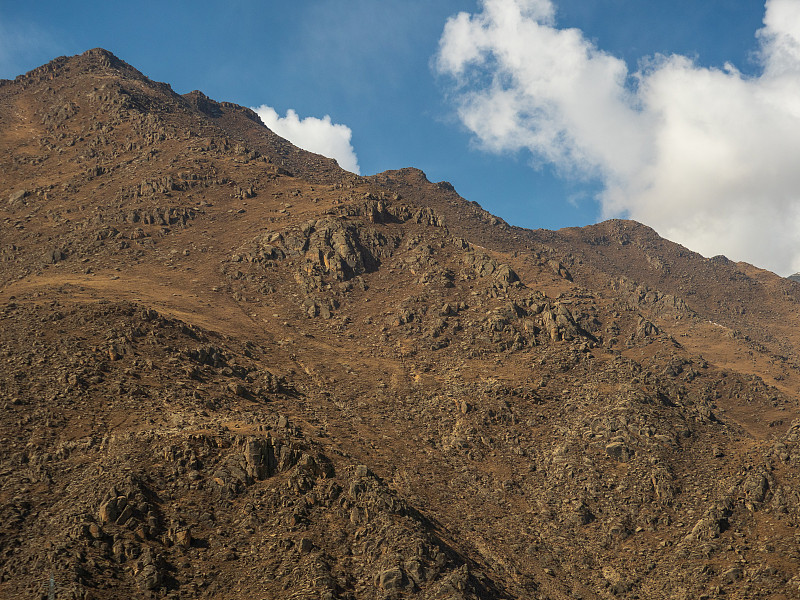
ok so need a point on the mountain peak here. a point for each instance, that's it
(94, 60)
(103, 57)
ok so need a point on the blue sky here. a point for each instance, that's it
(411, 96)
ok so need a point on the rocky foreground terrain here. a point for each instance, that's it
(230, 369)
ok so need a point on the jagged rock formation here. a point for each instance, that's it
(229, 369)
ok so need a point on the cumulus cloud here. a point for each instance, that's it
(706, 156)
(315, 135)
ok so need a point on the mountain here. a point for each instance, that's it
(230, 369)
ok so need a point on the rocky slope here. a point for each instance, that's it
(230, 369)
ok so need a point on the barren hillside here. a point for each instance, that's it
(230, 369)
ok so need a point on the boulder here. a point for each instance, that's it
(17, 197)
(391, 579)
(619, 451)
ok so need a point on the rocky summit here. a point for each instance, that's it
(230, 369)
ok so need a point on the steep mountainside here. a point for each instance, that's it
(230, 369)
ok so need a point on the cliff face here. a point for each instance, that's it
(229, 369)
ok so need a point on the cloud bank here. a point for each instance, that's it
(708, 157)
(315, 135)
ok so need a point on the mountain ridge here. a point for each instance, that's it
(231, 369)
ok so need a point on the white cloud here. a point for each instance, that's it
(315, 135)
(706, 156)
